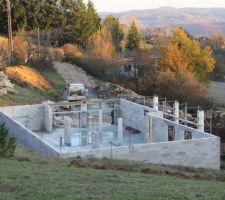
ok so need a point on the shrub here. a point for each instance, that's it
(71, 51)
(21, 48)
(100, 45)
(103, 69)
(3, 58)
(56, 53)
(41, 65)
(183, 87)
(27, 76)
(3, 52)
(7, 145)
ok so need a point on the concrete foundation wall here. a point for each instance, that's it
(160, 130)
(26, 137)
(31, 116)
(201, 153)
(134, 115)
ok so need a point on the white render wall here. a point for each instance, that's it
(26, 137)
(201, 153)
(31, 116)
(134, 115)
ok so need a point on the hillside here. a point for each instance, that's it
(27, 93)
(29, 176)
(198, 21)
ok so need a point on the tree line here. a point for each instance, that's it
(76, 20)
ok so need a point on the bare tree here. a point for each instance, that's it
(144, 70)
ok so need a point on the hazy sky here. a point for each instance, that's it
(123, 5)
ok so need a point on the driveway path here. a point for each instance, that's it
(73, 74)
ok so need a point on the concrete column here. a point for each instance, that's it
(200, 119)
(179, 133)
(48, 118)
(156, 103)
(120, 131)
(149, 133)
(84, 116)
(176, 112)
(95, 140)
(116, 115)
(160, 130)
(84, 140)
(100, 121)
(67, 131)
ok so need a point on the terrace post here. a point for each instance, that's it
(48, 118)
(200, 119)
(120, 131)
(100, 121)
(67, 131)
(84, 116)
(176, 112)
(156, 103)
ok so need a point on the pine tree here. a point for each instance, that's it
(7, 145)
(115, 28)
(93, 18)
(134, 38)
(18, 13)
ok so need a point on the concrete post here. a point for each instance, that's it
(67, 131)
(100, 121)
(116, 115)
(84, 116)
(179, 133)
(84, 137)
(149, 133)
(120, 131)
(95, 140)
(48, 118)
(200, 119)
(156, 103)
(176, 112)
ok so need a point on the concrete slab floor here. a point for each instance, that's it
(81, 138)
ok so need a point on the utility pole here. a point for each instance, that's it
(10, 38)
(39, 43)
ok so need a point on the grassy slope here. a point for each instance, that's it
(28, 95)
(48, 178)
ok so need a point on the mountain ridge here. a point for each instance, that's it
(198, 21)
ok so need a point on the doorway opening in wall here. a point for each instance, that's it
(187, 135)
(171, 133)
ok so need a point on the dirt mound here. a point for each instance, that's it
(23, 159)
(109, 90)
(79, 163)
(28, 76)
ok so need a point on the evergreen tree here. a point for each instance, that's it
(7, 145)
(74, 18)
(134, 38)
(18, 13)
(93, 18)
(115, 28)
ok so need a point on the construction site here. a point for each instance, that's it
(113, 128)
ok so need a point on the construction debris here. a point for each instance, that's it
(5, 85)
(109, 90)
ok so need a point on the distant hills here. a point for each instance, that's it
(198, 21)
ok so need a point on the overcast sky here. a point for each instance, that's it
(124, 5)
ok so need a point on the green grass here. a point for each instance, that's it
(49, 178)
(29, 95)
